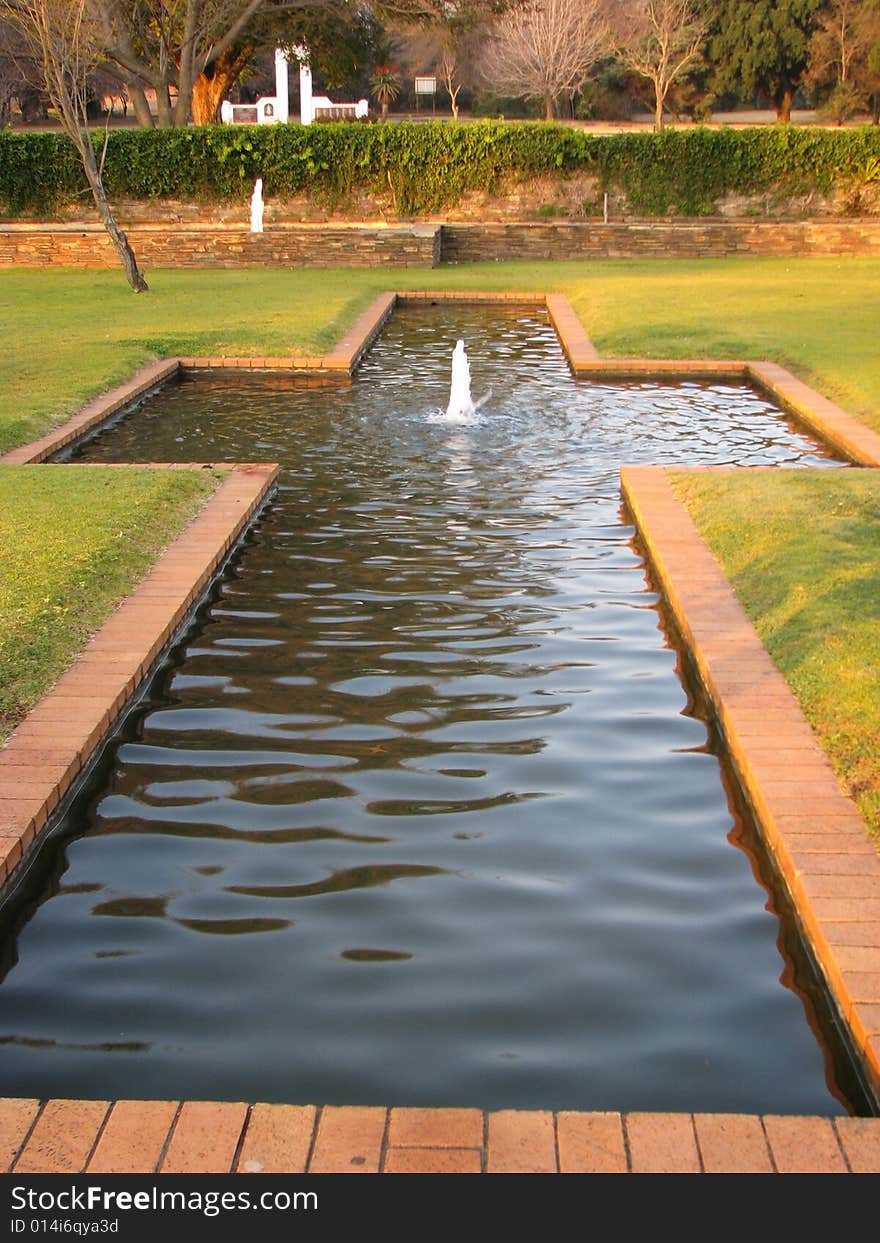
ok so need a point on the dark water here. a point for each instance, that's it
(419, 813)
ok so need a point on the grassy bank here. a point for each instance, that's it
(73, 540)
(802, 551)
(79, 332)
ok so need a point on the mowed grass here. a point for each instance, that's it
(802, 550)
(73, 540)
(72, 334)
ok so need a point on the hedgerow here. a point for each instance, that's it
(431, 166)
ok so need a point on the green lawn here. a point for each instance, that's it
(802, 550)
(76, 333)
(73, 539)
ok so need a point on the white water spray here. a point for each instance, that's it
(461, 405)
(460, 401)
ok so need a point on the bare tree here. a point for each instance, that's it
(660, 40)
(839, 52)
(546, 49)
(19, 78)
(62, 39)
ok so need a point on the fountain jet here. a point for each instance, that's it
(461, 403)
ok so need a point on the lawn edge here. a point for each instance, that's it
(818, 840)
(64, 733)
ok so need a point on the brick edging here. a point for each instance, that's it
(62, 734)
(102, 407)
(233, 1137)
(815, 834)
(847, 435)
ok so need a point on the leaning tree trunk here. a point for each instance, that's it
(117, 236)
(214, 83)
(142, 112)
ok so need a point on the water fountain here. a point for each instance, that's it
(461, 404)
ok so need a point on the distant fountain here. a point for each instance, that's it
(257, 207)
(460, 401)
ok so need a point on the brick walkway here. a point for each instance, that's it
(200, 1137)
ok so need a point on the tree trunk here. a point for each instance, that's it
(117, 236)
(658, 109)
(139, 103)
(783, 107)
(164, 111)
(548, 107)
(207, 95)
(211, 86)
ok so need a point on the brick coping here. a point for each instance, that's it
(814, 834)
(232, 1137)
(832, 870)
(846, 434)
(64, 733)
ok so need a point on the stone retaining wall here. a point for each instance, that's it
(213, 245)
(223, 246)
(469, 243)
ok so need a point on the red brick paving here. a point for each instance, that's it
(860, 1141)
(63, 1138)
(732, 1144)
(278, 1139)
(133, 1138)
(432, 1161)
(591, 1143)
(436, 1128)
(662, 1144)
(220, 1137)
(804, 1145)
(205, 1138)
(520, 1143)
(349, 1140)
(16, 1119)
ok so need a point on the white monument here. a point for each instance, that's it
(306, 100)
(272, 108)
(282, 101)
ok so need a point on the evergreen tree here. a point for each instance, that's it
(762, 46)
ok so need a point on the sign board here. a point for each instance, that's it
(426, 86)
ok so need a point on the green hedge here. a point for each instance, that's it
(430, 166)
